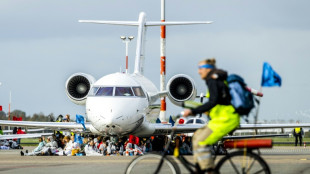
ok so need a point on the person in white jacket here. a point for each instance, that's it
(35, 151)
(91, 150)
(50, 147)
(68, 147)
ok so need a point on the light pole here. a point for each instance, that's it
(126, 41)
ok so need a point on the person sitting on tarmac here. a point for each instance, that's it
(14, 145)
(103, 146)
(82, 146)
(91, 149)
(75, 146)
(5, 145)
(50, 146)
(119, 147)
(68, 147)
(36, 151)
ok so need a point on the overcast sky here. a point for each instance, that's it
(42, 44)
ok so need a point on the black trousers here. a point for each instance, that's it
(296, 139)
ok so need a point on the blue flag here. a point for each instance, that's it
(80, 119)
(158, 120)
(270, 77)
(78, 138)
(171, 121)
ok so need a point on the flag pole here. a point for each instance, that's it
(9, 114)
(258, 105)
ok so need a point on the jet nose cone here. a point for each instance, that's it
(108, 120)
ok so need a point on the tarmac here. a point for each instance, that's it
(287, 160)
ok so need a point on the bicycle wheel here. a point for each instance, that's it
(149, 163)
(242, 162)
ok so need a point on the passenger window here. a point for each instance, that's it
(138, 91)
(105, 91)
(123, 91)
(190, 121)
(198, 121)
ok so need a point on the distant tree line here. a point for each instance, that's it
(35, 117)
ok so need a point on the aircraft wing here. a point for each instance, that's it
(15, 136)
(28, 131)
(270, 126)
(165, 129)
(46, 125)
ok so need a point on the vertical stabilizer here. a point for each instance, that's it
(142, 24)
(139, 61)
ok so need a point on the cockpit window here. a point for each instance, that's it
(123, 91)
(105, 91)
(93, 91)
(138, 91)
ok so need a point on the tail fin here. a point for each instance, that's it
(142, 24)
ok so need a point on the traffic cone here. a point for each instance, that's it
(127, 153)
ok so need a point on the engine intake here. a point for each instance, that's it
(181, 88)
(78, 86)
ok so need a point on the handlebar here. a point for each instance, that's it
(254, 91)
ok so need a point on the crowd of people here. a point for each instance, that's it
(13, 143)
(80, 145)
(69, 144)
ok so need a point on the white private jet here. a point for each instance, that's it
(119, 104)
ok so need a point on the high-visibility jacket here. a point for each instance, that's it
(297, 130)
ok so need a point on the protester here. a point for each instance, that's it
(82, 151)
(50, 146)
(14, 145)
(186, 146)
(75, 146)
(68, 147)
(5, 145)
(91, 149)
(36, 151)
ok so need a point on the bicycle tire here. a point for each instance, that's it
(226, 164)
(149, 163)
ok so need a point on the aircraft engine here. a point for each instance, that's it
(181, 88)
(78, 86)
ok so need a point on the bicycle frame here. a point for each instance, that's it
(192, 168)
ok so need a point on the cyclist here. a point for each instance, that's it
(224, 119)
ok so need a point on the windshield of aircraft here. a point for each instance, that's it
(138, 91)
(104, 91)
(123, 91)
(119, 91)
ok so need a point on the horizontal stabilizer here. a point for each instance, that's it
(176, 23)
(128, 23)
(151, 23)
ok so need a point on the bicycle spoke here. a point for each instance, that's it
(262, 170)
(251, 165)
(239, 163)
(234, 166)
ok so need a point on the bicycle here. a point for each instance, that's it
(244, 160)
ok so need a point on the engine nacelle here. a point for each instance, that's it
(78, 86)
(181, 88)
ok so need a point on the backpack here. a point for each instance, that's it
(241, 99)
